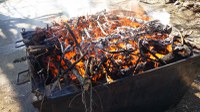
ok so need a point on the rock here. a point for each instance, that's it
(188, 4)
(197, 14)
(182, 9)
(178, 6)
(197, 4)
(177, 3)
(196, 9)
(169, 1)
(2, 107)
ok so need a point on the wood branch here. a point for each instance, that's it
(100, 13)
(77, 23)
(87, 33)
(140, 67)
(87, 62)
(142, 52)
(37, 47)
(87, 80)
(91, 66)
(154, 54)
(189, 42)
(67, 49)
(120, 51)
(103, 60)
(22, 59)
(54, 84)
(74, 37)
(108, 73)
(131, 70)
(168, 58)
(115, 64)
(94, 54)
(137, 20)
(182, 38)
(71, 66)
(75, 72)
(144, 48)
(102, 30)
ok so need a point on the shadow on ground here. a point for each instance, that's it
(14, 98)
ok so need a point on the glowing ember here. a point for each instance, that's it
(103, 47)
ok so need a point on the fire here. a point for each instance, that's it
(169, 48)
(109, 79)
(103, 46)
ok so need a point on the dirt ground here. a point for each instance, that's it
(16, 98)
(187, 20)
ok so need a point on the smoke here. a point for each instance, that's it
(73, 8)
(162, 15)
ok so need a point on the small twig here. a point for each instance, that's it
(76, 24)
(87, 81)
(74, 71)
(115, 64)
(105, 16)
(182, 38)
(41, 54)
(61, 46)
(138, 60)
(19, 60)
(131, 69)
(103, 60)
(152, 53)
(119, 51)
(86, 67)
(55, 84)
(87, 33)
(108, 73)
(74, 37)
(137, 20)
(91, 66)
(102, 30)
(72, 65)
(140, 47)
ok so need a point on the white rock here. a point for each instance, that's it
(196, 9)
(177, 3)
(188, 4)
(182, 9)
(197, 4)
(178, 6)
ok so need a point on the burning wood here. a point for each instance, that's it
(100, 48)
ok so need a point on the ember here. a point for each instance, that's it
(99, 48)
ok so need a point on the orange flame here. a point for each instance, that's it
(110, 26)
